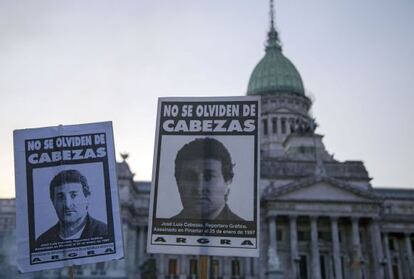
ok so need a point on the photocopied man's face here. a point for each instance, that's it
(70, 203)
(202, 186)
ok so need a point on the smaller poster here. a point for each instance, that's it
(67, 196)
(204, 196)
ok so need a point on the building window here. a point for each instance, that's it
(78, 270)
(279, 235)
(324, 236)
(265, 128)
(303, 267)
(303, 235)
(291, 124)
(391, 244)
(361, 236)
(214, 269)
(323, 268)
(274, 125)
(193, 267)
(235, 268)
(395, 273)
(172, 267)
(283, 125)
(100, 268)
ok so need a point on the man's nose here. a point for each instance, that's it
(200, 185)
(67, 202)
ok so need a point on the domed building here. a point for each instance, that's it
(320, 218)
(284, 103)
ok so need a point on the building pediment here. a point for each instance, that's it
(320, 188)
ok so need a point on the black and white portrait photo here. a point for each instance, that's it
(74, 199)
(205, 179)
(67, 196)
(205, 194)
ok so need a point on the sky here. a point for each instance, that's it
(72, 62)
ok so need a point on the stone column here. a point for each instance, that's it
(131, 250)
(336, 248)
(122, 264)
(272, 233)
(377, 251)
(388, 270)
(183, 265)
(294, 257)
(226, 267)
(269, 125)
(315, 258)
(279, 125)
(160, 267)
(247, 269)
(141, 244)
(356, 249)
(409, 252)
(257, 267)
(273, 263)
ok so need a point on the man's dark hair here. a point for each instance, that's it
(205, 148)
(69, 176)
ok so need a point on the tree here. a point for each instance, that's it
(148, 269)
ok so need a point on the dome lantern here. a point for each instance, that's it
(274, 73)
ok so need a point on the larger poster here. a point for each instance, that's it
(67, 196)
(204, 195)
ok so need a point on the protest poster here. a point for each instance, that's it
(204, 195)
(66, 196)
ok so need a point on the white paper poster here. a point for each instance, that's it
(67, 196)
(204, 195)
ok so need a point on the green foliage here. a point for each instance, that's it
(148, 269)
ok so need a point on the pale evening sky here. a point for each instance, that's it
(70, 62)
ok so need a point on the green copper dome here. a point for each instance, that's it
(274, 73)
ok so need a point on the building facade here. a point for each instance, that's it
(323, 217)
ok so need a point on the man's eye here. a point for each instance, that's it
(208, 177)
(189, 176)
(73, 195)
